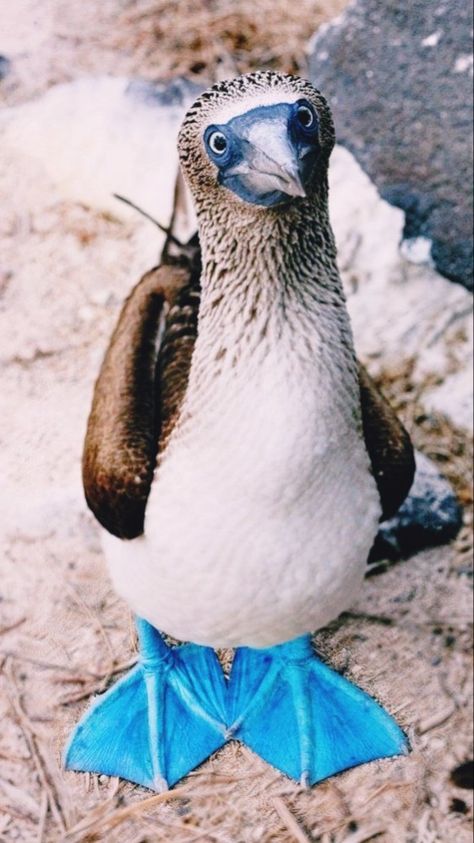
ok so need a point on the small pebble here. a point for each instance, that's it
(101, 297)
(463, 775)
(458, 806)
(86, 314)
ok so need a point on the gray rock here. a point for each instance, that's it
(430, 516)
(399, 79)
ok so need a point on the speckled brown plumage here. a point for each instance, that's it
(176, 348)
(138, 392)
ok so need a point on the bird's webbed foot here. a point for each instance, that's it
(160, 721)
(304, 718)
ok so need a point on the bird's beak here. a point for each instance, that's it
(270, 168)
(275, 170)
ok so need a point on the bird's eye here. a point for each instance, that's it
(306, 116)
(217, 142)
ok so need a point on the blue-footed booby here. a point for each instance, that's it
(240, 459)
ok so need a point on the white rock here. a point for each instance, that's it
(94, 137)
(453, 398)
(464, 63)
(51, 509)
(417, 250)
(401, 311)
(431, 40)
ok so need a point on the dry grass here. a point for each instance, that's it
(218, 37)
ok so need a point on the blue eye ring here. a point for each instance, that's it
(216, 141)
(306, 117)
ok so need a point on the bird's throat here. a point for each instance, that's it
(273, 271)
(270, 290)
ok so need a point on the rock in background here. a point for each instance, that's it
(405, 316)
(429, 516)
(399, 79)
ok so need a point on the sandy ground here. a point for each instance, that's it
(64, 635)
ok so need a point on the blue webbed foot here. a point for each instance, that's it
(158, 722)
(304, 718)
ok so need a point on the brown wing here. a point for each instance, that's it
(388, 444)
(139, 391)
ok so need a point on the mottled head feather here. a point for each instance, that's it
(229, 98)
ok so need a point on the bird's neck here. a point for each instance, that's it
(267, 273)
(272, 317)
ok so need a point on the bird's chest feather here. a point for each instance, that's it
(256, 436)
(262, 502)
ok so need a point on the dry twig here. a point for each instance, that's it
(30, 737)
(289, 821)
(437, 719)
(115, 818)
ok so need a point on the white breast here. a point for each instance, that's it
(261, 514)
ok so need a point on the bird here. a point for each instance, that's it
(239, 459)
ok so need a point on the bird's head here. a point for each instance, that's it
(262, 139)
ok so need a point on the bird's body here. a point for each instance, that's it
(263, 499)
(241, 458)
